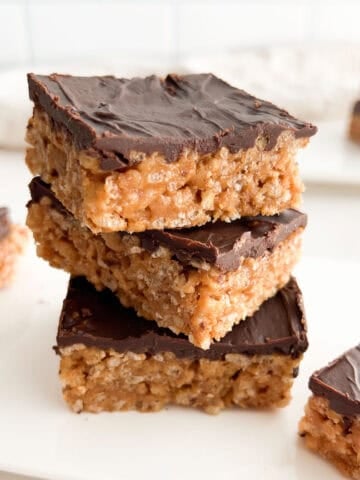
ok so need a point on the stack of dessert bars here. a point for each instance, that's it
(171, 202)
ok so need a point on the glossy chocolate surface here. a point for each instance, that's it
(339, 383)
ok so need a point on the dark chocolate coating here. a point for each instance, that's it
(224, 244)
(195, 112)
(339, 383)
(39, 189)
(98, 319)
(356, 108)
(4, 222)
(220, 244)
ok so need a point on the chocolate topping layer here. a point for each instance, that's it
(339, 383)
(221, 244)
(224, 244)
(4, 222)
(356, 108)
(196, 112)
(98, 319)
(39, 189)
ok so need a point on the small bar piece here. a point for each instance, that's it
(331, 425)
(354, 129)
(113, 360)
(152, 153)
(199, 282)
(13, 239)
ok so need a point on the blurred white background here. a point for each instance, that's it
(38, 31)
(304, 55)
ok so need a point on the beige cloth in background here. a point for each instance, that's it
(314, 82)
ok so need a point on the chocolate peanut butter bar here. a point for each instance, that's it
(200, 281)
(13, 239)
(331, 425)
(107, 364)
(152, 153)
(354, 129)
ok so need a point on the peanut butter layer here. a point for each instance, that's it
(333, 436)
(96, 380)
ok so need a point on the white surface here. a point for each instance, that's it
(331, 158)
(13, 33)
(40, 437)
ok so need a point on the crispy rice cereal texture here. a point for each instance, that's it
(11, 247)
(325, 433)
(155, 194)
(204, 303)
(96, 380)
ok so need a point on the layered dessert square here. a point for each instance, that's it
(13, 239)
(152, 153)
(331, 425)
(354, 129)
(200, 281)
(111, 359)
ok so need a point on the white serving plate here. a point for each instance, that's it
(39, 436)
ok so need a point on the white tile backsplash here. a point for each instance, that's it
(86, 29)
(332, 21)
(13, 34)
(51, 30)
